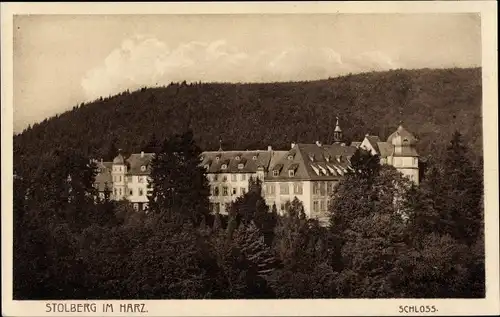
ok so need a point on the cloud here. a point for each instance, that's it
(146, 61)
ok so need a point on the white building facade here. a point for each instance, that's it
(308, 171)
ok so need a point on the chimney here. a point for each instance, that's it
(142, 154)
(318, 143)
(292, 145)
(269, 148)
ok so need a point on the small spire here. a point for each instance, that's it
(337, 126)
(220, 144)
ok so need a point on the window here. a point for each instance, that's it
(145, 206)
(114, 191)
(254, 157)
(284, 190)
(415, 161)
(316, 188)
(237, 157)
(217, 158)
(240, 166)
(141, 192)
(136, 206)
(322, 205)
(290, 157)
(322, 189)
(216, 177)
(120, 191)
(234, 177)
(276, 173)
(143, 168)
(297, 188)
(270, 189)
(224, 178)
(316, 206)
(242, 190)
(224, 166)
(216, 191)
(243, 177)
(224, 191)
(140, 179)
(291, 173)
(234, 191)
(120, 178)
(131, 192)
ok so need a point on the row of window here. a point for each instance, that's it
(215, 191)
(234, 177)
(118, 179)
(284, 189)
(291, 173)
(119, 192)
(324, 188)
(320, 206)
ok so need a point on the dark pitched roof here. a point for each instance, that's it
(385, 149)
(233, 159)
(373, 140)
(401, 131)
(136, 161)
(313, 162)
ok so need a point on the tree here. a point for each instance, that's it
(178, 181)
(463, 193)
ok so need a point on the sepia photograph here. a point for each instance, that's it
(246, 155)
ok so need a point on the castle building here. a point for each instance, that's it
(308, 171)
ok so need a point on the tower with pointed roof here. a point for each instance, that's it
(337, 133)
(118, 173)
(404, 156)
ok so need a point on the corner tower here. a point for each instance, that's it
(118, 173)
(405, 156)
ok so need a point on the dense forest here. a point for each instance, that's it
(431, 103)
(386, 238)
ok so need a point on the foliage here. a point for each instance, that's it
(432, 103)
(178, 180)
(386, 237)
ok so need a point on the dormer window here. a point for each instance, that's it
(311, 157)
(224, 166)
(339, 158)
(291, 173)
(217, 158)
(237, 157)
(290, 157)
(143, 168)
(98, 170)
(240, 166)
(276, 173)
(254, 157)
(207, 166)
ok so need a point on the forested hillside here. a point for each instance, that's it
(431, 103)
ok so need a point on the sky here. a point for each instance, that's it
(63, 60)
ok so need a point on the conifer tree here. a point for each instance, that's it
(464, 191)
(178, 181)
(250, 241)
